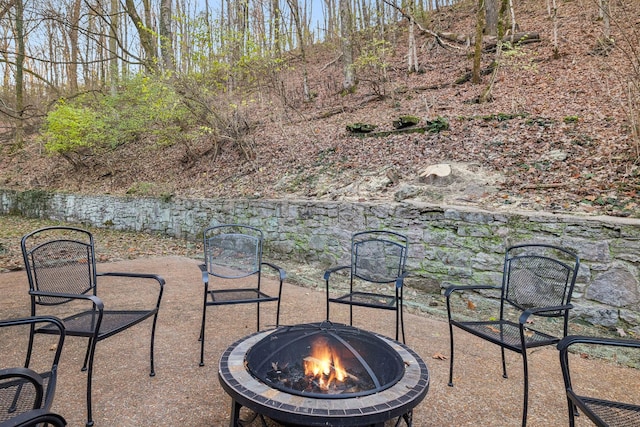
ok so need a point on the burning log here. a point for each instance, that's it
(314, 360)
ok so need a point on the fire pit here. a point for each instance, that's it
(323, 374)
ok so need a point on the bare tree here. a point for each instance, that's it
(166, 37)
(19, 137)
(295, 11)
(412, 54)
(346, 33)
(147, 41)
(73, 41)
(477, 53)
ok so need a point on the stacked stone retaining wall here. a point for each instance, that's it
(449, 245)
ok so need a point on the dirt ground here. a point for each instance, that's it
(185, 394)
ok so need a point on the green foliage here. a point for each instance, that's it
(371, 65)
(69, 128)
(144, 107)
(571, 119)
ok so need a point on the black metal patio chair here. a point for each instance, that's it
(601, 411)
(61, 267)
(537, 282)
(232, 271)
(378, 260)
(27, 386)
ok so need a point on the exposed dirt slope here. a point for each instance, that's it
(556, 136)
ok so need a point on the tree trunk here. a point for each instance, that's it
(73, 40)
(346, 31)
(477, 55)
(166, 37)
(412, 55)
(276, 36)
(113, 46)
(147, 42)
(491, 13)
(19, 137)
(295, 11)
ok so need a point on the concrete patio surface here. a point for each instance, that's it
(185, 394)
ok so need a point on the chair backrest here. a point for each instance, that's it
(59, 260)
(378, 256)
(233, 251)
(22, 388)
(539, 275)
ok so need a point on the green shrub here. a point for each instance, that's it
(144, 107)
(69, 128)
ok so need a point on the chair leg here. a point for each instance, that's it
(258, 317)
(204, 318)
(504, 364)
(402, 323)
(152, 373)
(451, 353)
(86, 356)
(526, 388)
(397, 321)
(90, 354)
(350, 314)
(573, 411)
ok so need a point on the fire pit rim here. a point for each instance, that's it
(247, 391)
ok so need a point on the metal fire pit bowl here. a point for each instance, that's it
(396, 400)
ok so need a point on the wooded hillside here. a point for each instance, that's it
(541, 115)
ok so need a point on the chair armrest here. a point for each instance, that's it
(24, 373)
(532, 311)
(400, 279)
(93, 298)
(281, 273)
(455, 288)
(330, 271)
(205, 273)
(569, 340)
(155, 277)
(35, 417)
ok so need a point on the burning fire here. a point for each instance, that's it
(324, 365)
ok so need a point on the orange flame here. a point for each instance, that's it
(324, 365)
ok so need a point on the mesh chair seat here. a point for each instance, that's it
(238, 296)
(113, 321)
(366, 299)
(21, 390)
(507, 333)
(616, 413)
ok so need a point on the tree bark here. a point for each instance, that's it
(295, 11)
(491, 13)
(147, 42)
(346, 31)
(113, 46)
(72, 68)
(19, 137)
(166, 37)
(477, 54)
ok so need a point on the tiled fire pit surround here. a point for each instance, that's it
(372, 410)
